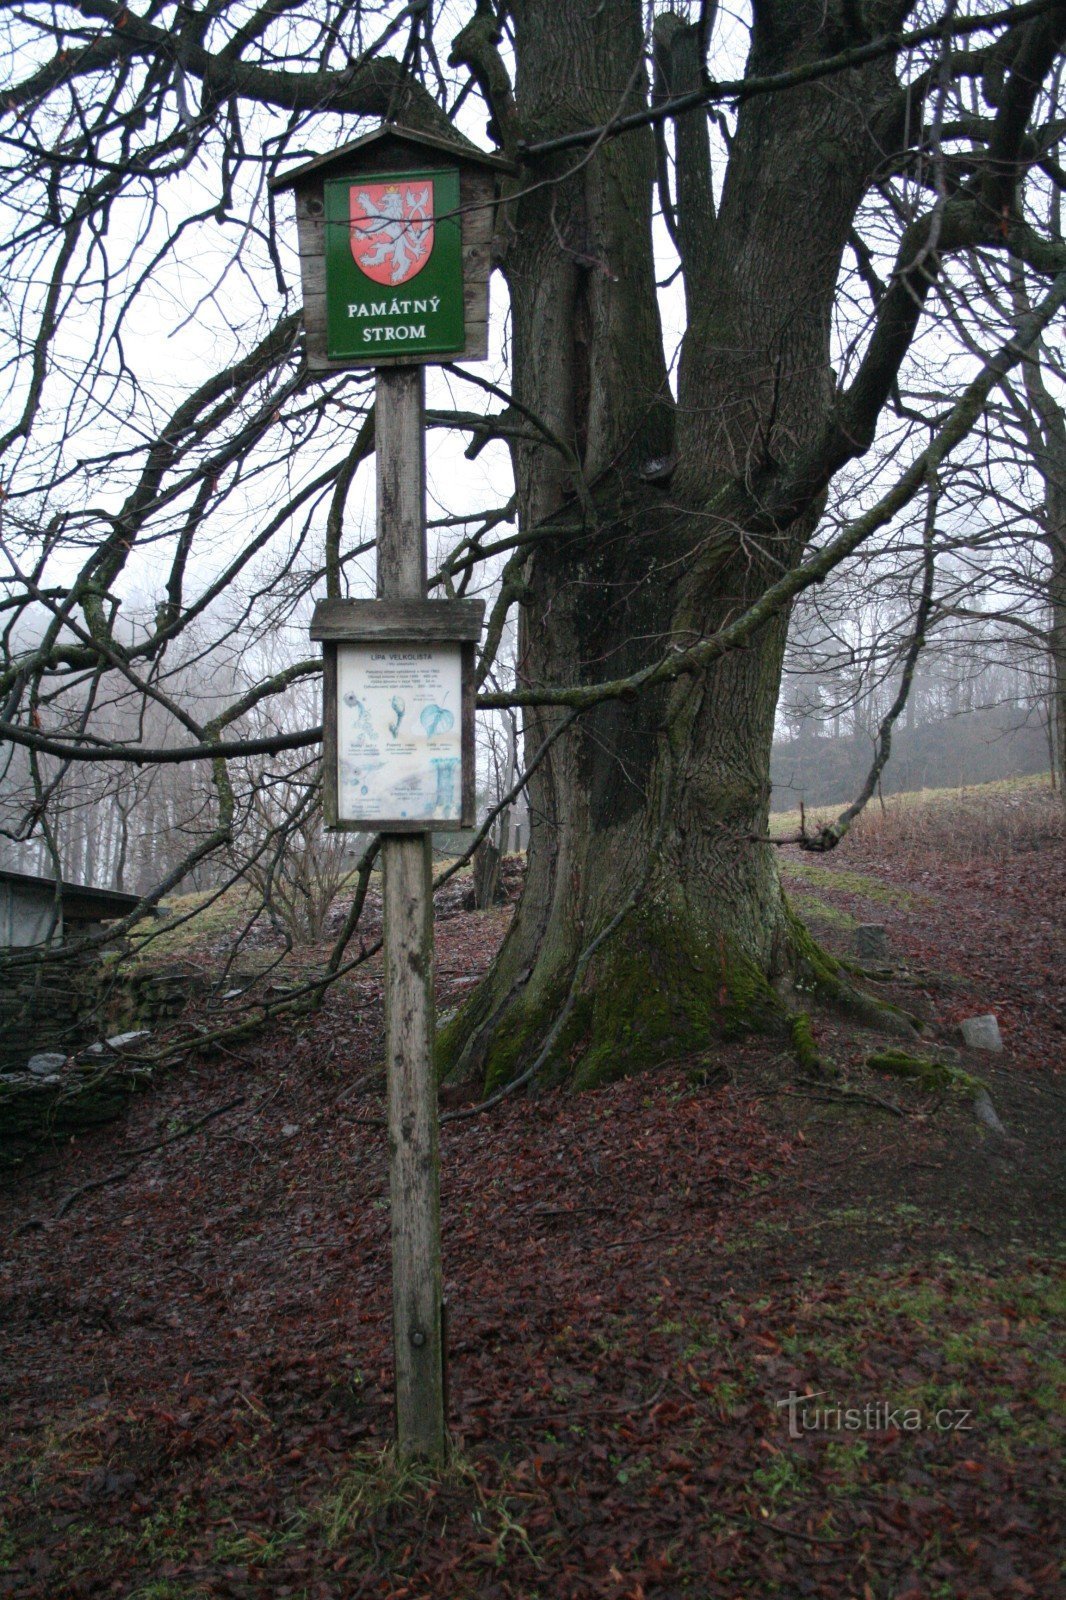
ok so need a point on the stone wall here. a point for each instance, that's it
(64, 1006)
(43, 1007)
(63, 1013)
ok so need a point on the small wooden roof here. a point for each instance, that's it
(81, 902)
(396, 621)
(431, 144)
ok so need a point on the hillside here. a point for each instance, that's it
(196, 1382)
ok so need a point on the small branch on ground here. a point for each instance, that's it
(143, 1150)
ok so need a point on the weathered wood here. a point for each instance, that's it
(468, 748)
(394, 144)
(414, 1161)
(336, 622)
(486, 875)
(399, 437)
(429, 621)
(432, 622)
(330, 786)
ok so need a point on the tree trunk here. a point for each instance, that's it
(1055, 536)
(653, 803)
(1045, 426)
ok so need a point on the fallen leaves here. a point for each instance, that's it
(196, 1380)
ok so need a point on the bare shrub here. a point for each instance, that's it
(296, 867)
(962, 825)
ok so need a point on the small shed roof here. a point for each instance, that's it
(81, 902)
(391, 621)
(435, 144)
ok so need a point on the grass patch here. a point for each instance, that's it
(188, 922)
(981, 1339)
(380, 1482)
(811, 909)
(382, 1490)
(759, 1236)
(261, 1547)
(988, 819)
(845, 882)
(169, 1589)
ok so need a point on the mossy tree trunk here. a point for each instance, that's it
(1046, 428)
(1056, 538)
(1043, 420)
(658, 521)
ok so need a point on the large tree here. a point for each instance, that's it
(663, 526)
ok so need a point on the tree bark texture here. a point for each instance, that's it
(1055, 538)
(1046, 429)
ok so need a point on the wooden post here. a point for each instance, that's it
(414, 1158)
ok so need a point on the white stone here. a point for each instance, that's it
(290, 1130)
(45, 1063)
(986, 1112)
(122, 1040)
(981, 1033)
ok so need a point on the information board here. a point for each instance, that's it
(399, 733)
(394, 268)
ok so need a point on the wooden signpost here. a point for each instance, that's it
(394, 236)
(377, 250)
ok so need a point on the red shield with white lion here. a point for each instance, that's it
(392, 228)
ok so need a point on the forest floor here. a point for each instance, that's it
(716, 1330)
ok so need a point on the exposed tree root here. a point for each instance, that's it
(824, 975)
(660, 988)
(941, 1075)
(925, 1070)
(808, 1057)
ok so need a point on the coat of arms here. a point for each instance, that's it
(392, 229)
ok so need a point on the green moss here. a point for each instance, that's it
(661, 989)
(519, 1039)
(929, 1073)
(825, 977)
(803, 1044)
(665, 991)
(861, 883)
(809, 906)
(513, 1041)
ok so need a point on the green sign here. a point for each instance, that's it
(394, 265)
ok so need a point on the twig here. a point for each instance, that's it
(830, 834)
(598, 1411)
(145, 1149)
(852, 1094)
(810, 1538)
(641, 1238)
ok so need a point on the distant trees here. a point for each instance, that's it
(845, 653)
(998, 624)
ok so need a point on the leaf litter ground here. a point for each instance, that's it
(196, 1372)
